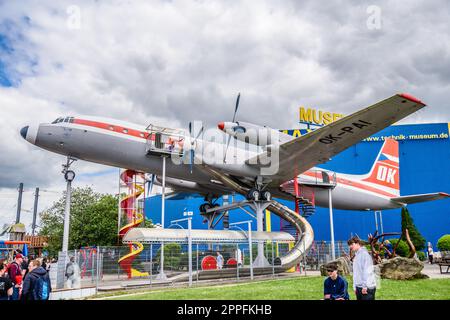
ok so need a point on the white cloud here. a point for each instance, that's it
(171, 62)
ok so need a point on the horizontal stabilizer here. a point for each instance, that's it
(420, 198)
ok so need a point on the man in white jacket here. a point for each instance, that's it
(364, 281)
(73, 274)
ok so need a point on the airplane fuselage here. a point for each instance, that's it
(125, 145)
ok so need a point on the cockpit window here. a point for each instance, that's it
(62, 119)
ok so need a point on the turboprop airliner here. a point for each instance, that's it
(126, 145)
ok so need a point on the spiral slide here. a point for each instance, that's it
(134, 219)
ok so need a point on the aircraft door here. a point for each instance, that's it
(325, 177)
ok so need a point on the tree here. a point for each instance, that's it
(443, 243)
(93, 220)
(407, 223)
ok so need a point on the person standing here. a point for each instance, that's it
(239, 257)
(219, 261)
(364, 282)
(430, 252)
(24, 266)
(15, 275)
(6, 286)
(36, 285)
(73, 274)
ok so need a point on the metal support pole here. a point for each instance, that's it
(260, 227)
(118, 265)
(226, 219)
(36, 199)
(376, 221)
(250, 248)
(119, 211)
(381, 221)
(69, 176)
(98, 270)
(273, 261)
(151, 263)
(330, 205)
(259, 207)
(197, 264)
(237, 259)
(161, 275)
(304, 257)
(67, 217)
(190, 250)
(19, 203)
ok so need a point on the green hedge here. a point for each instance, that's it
(443, 243)
(172, 255)
(402, 249)
(421, 255)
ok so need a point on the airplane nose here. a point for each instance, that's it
(30, 133)
(221, 126)
(23, 132)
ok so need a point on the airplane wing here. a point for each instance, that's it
(305, 152)
(420, 198)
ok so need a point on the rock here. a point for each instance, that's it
(342, 264)
(400, 268)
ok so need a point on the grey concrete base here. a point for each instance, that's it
(261, 261)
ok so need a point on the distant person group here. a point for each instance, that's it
(24, 278)
(364, 280)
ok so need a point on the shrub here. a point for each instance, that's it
(421, 255)
(402, 249)
(172, 255)
(443, 243)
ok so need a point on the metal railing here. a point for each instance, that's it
(98, 267)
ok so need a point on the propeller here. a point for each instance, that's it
(150, 182)
(193, 142)
(234, 117)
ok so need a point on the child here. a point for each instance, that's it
(335, 286)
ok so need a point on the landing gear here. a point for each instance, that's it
(258, 192)
(208, 205)
(256, 195)
(253, 194)
(266, 195)
(205, 206)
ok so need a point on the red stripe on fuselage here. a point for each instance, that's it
(353, 184)
(113, 128)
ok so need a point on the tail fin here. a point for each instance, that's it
(385, 171)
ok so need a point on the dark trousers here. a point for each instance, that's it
(369, 296)
(15, 295)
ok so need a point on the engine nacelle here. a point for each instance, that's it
(254, 134)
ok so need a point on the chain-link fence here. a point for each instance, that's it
(138, 265)
(321, 253)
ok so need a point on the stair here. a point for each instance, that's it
(306, 209)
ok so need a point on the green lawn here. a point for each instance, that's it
(309, 288)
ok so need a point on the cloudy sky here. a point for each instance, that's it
(171, 62)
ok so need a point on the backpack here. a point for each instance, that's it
(15, 278)
(42, 288)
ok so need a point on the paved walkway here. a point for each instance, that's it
(432, 270)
